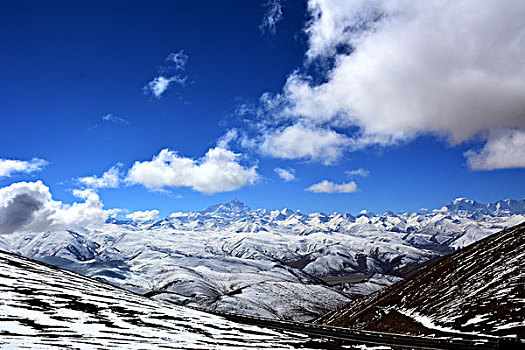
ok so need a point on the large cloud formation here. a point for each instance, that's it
(218, 171)
(29, 206)
(403, 68)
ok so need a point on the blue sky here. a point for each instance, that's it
(285, 81)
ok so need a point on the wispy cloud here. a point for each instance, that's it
(8, 167)
(224, 141)
(326, 186)
(272, 16)
(179, 59)
(160, 84)
(285, 174)
(358, 172)
(111, 118)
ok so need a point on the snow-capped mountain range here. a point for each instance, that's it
(272, 263)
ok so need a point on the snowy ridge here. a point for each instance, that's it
(270, 263)
(45, 308)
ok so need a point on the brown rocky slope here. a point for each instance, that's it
(479, 289)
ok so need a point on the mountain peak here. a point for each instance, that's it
(287, 212)
(465, 204)
(366, 213)
(462, 200)
(236, 202)
(232, 207)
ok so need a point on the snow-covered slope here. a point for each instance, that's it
(48, 308)
(269, 263)
(479, 289)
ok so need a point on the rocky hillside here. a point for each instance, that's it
(479, 289)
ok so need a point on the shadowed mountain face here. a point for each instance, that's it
(479, 289)
(45, 307)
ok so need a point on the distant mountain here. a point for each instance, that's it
(48, 308)
(499, 208)
(479, 289)
(232, 207)
(274, 263)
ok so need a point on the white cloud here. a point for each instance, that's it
(29, 206)
(12, 166)
(326, 186)
(179, 59)
(111, 118)
(403, 68)
(301, 142)
(358, 172)
(504, 149)
(413, 73)
(285, 174)
(160, 84)
(225, 140)
(110, 179)
(145, 215)
(273, 15)
(218, 171)
(243, 109)
(336, 22)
